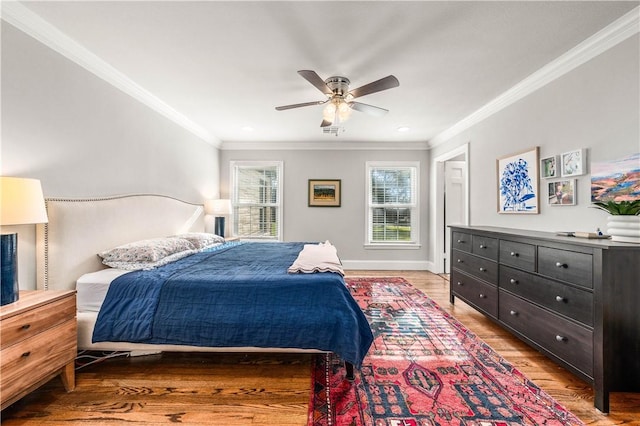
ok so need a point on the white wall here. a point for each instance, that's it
(596, 106)
(82, 137)
(343, 226)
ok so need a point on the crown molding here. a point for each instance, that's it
(616, 32)
(320, 146)
(30, 23)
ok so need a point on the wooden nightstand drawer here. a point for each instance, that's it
(39, 342)
(22, 364)
(21, 327)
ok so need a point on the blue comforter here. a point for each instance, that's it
(236, 295)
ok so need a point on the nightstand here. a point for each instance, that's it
(38, 341)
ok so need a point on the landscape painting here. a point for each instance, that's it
(617, 180)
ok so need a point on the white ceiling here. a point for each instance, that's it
(226, 65)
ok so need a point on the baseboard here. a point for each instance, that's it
(388, 265)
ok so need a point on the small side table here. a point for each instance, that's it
(38, 341)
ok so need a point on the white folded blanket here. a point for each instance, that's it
(321, 257)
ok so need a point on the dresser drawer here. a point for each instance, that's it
(520, 255)
(561, 298)
(475, 292)
(565, 339)
(17, 328)
(23, 364)
(485, 247)
(573, 267)
(476, 266)
(461, 241)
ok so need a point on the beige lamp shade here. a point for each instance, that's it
(21, 201)
(217, 207)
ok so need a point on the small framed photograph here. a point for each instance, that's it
(573, 163)
(324, 192)
(549, 167)
(562, 193)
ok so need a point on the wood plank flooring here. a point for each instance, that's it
(267, 389)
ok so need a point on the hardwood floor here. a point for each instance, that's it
(267, 389)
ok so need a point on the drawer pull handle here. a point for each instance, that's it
(459, 260)
(482, 269)
(460, 241)
(559, 299)
(513, 281)
(482, 246)
(560, 338)
(482, 296)
(561, 265)
(459, 283)
(26, 354)
(25, 327)
(513, 313)
(513, 253)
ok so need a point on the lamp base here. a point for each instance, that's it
(9, 269)
(219, 226)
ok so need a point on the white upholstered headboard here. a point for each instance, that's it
(78, 229)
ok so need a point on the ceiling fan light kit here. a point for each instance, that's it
(340, 101)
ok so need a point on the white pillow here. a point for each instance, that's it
(135, 266)
(201, 240)
(151, 250)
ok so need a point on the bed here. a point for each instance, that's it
(79, 229)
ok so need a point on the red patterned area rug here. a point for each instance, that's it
(424, 368)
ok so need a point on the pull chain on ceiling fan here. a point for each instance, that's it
(340, 100)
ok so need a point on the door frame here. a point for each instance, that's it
(437, 208)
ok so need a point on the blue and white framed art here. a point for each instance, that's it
(517, 177)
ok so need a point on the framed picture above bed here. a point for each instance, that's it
(324, 192)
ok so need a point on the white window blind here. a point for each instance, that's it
(257, 200)
(393, 212)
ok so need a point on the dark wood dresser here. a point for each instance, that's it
(575, 300)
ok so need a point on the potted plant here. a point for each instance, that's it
(623, 223)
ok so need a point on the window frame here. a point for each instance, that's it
(233, 168)
(414, 242)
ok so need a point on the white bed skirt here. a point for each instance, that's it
(87, 320)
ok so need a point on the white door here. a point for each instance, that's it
(454, 202)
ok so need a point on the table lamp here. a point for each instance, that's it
(218, 208)
(21, 203)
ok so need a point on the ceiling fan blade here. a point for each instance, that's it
(326, 123)
(368, 109)
(315, 79)
(385, 83)
(284, 107)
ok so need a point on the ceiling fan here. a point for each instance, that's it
(340, 100)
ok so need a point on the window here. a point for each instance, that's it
(392, 209)
(257, 199)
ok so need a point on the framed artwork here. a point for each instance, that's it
(573, 163)
(517, 177)
(616, 180)
(324, 193)
(562, 193)
(549, 167)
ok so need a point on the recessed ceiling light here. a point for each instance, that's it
(247, 129)
(403, 129)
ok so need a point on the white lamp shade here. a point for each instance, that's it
(21, 201)
(217, 207)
